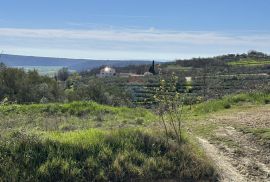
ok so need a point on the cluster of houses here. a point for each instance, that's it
(108, 71)
(111, 72)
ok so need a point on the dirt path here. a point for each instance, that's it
(237, 155)
(223, 164)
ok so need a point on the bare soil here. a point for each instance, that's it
(239, 156)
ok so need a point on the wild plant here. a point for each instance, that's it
(170, 106)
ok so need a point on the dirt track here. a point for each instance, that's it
(237, 155)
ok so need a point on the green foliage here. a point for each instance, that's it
(18, 86)
(63, 74)
(227, 106)
(104, 91)
(170, 104)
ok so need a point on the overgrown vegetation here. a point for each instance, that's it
(70, 117)
(56, 142)
(18, 86)
(96, 155)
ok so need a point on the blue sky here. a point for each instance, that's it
(134, 29)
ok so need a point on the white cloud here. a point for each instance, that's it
(126, 43)
(128, 35)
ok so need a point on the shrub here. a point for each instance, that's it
(227, 106)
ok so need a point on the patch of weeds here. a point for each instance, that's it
(139, 121)
(260, 133)
(225, 141)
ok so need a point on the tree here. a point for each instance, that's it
(63, 74)
(23, 87)
(2, 66)
(152, 68)
(170, 107)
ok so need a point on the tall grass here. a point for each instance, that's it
(95, 155)
(70, 117)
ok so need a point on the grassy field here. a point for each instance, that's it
(249, 62)
(231, 101)
(71, 116)
(85, 141)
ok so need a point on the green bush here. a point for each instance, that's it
(227, 106)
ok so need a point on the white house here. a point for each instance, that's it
(148, 74)
(188, 79)
(111, 72)
(107, 72)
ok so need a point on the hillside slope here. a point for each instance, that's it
(73, 64)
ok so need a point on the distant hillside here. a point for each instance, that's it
(73, 64)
